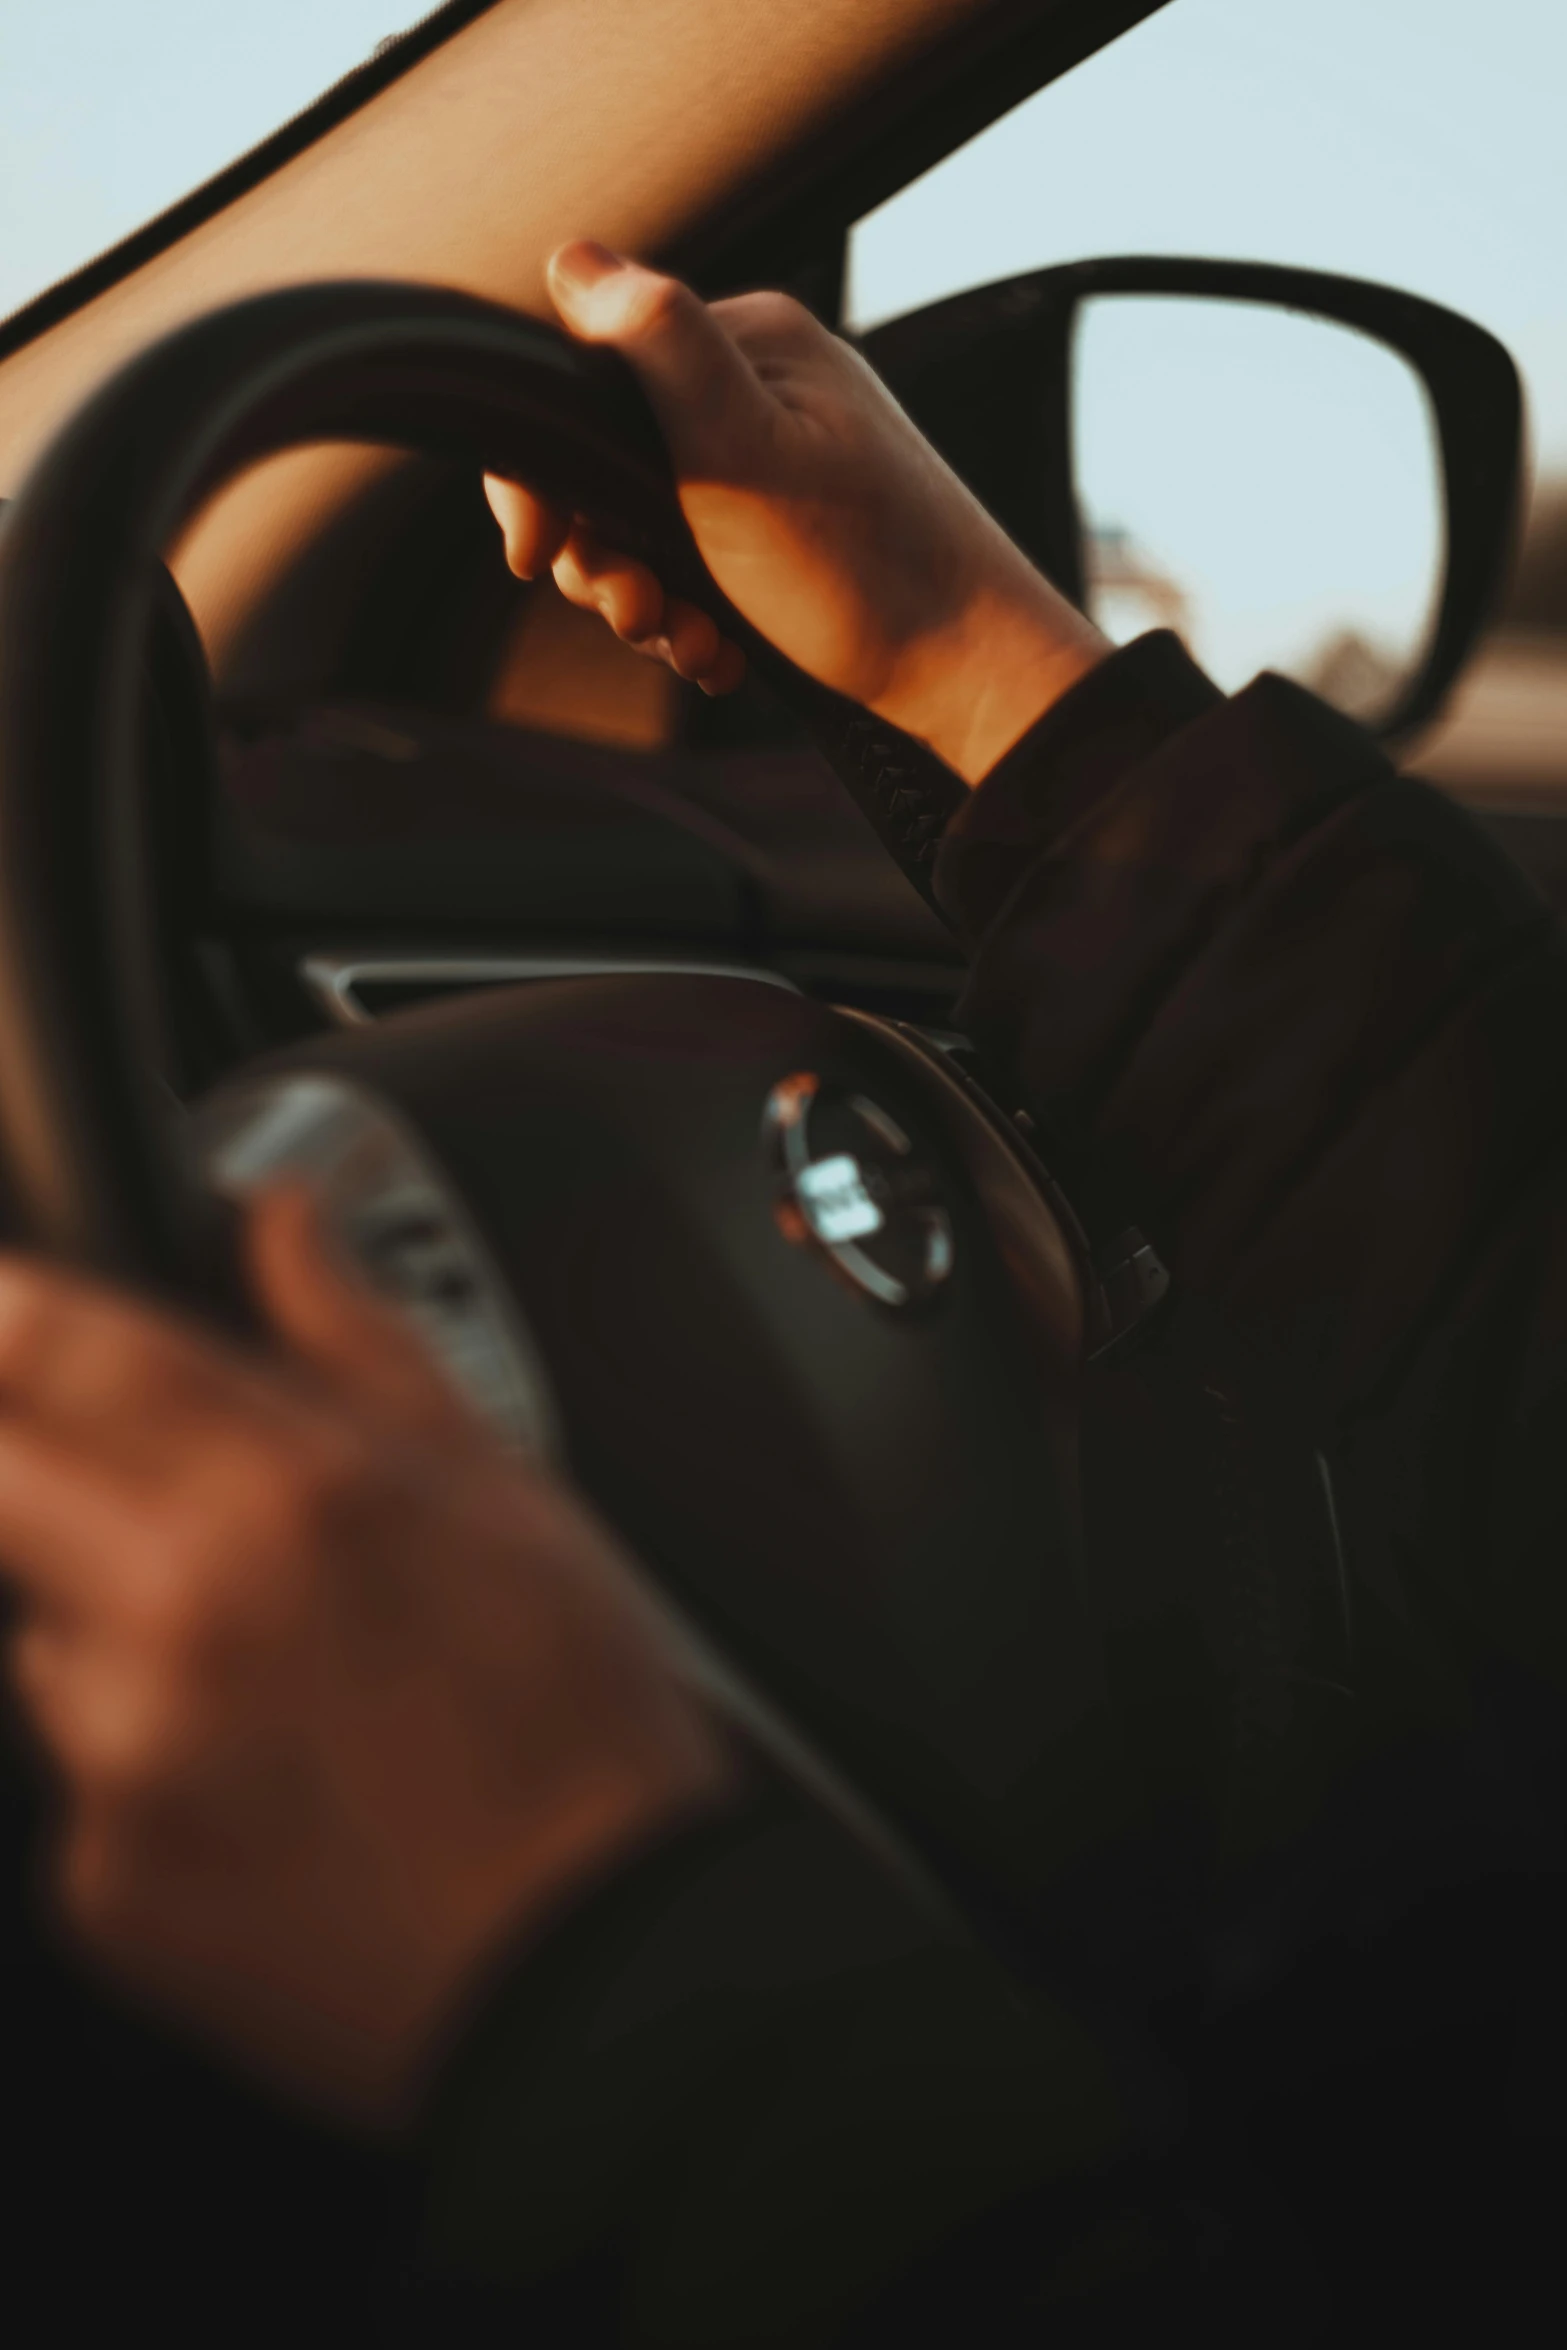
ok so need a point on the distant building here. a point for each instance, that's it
(1127, 593)
(1355, 675)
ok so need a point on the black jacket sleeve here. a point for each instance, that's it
(1300, 1013)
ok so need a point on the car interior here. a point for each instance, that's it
(600, 1009)
(362, 637)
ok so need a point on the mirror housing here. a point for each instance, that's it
(990, 376)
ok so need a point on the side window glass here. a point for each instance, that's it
(1266, 484)
(1417, 142)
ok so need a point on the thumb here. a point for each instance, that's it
(708, 401)
(326, 1313)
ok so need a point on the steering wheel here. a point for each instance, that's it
(773, 1282)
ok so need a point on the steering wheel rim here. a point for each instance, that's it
(97, 1169)
(91, 1170)
(414, 367)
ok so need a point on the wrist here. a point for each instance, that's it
(587, 1834)
(976, 686)
(476, 1910)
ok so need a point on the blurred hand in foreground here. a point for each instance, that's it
(821, 512)
(342, 1699)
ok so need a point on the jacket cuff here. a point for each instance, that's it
(1063, 767)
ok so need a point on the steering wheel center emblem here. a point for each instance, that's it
(851, 1184)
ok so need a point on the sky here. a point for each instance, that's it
(113, 108)
(1418, 141)
(1281, 472)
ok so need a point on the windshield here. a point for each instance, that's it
(112, 114)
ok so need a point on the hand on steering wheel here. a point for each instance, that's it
(821, 512)
(339, 1694)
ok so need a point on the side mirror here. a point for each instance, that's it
(1297, 472)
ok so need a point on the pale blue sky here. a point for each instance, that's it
(1282, 471)
(115, 107)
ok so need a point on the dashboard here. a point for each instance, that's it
(367, 857)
